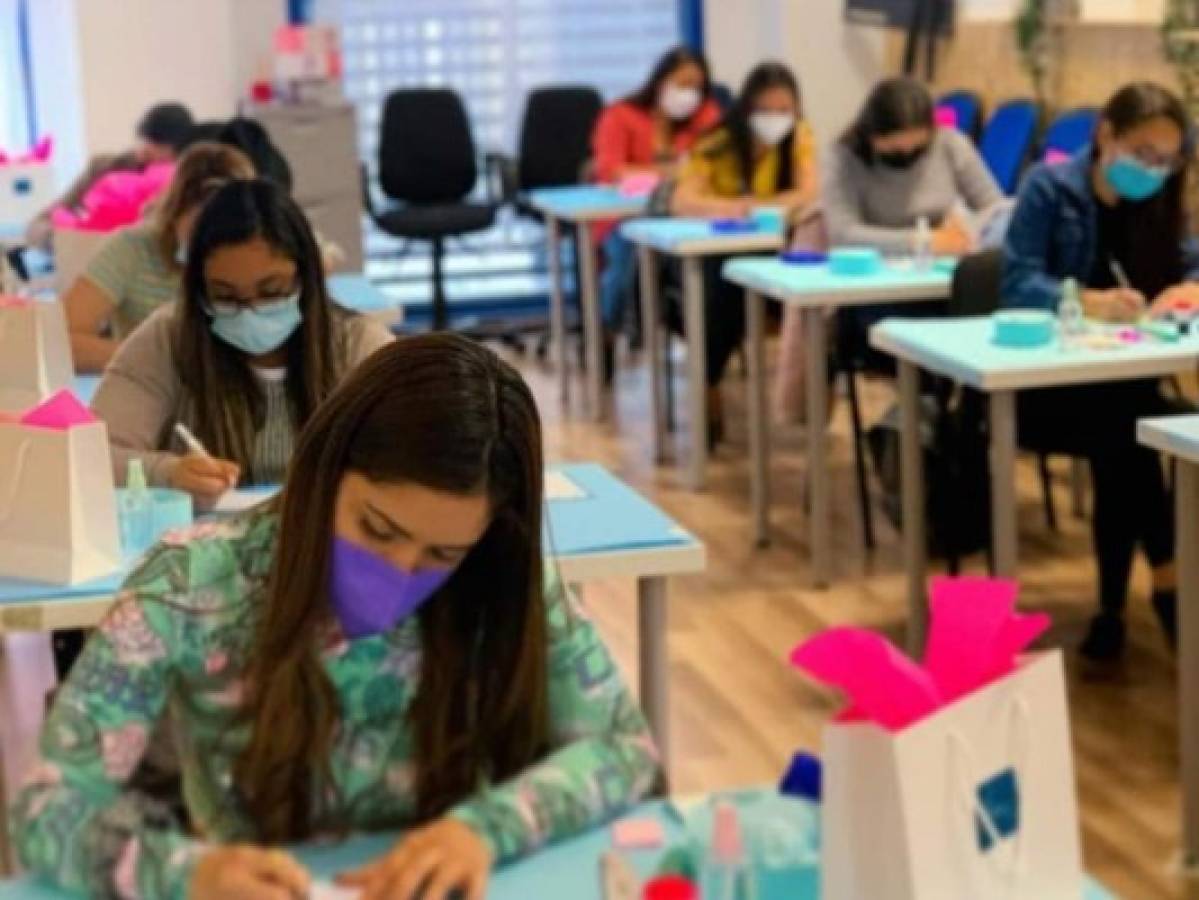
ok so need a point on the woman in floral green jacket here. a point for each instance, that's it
(379, 650)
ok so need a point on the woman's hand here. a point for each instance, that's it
(248, 873)
(1180, 297)
(204, 478)
(430, 863)
(1117, 305)
(952, 238)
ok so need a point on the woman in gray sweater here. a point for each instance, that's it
(242, 360)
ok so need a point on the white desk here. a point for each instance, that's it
(612, 532)
(581, 206)
(1178, 436)
(814, 290)
(356, 292)
(690, 240)
(962, 349)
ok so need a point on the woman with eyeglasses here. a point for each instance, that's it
(243, 359)
(1113, 219)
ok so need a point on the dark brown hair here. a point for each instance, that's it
(229, 401)
(443, 412)
(895, 104)
(738, 135)
(1157, 226)
(646, 96)
(203, 170)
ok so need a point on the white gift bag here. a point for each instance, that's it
(26, 188)
(35, 354)
(977, 801)
(58, 505)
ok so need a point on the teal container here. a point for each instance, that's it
(170, 510)
(1023, 328)
(769, 218)
(855, 261)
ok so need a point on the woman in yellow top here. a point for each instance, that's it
(761, 154)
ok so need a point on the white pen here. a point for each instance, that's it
(1119, 274)
(192, 442)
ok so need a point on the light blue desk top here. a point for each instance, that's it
(569, 871)
(816, 285)
(612, 517)
(585, 202)
(1175, 435)
(696, 237)
(85, 387)
(962, 349)
(356, 292)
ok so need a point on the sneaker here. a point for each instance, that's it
(1105, 639)
(1165, 604)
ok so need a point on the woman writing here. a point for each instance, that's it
(383, 650)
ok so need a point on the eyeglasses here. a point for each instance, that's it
(1150, 157)
(222, 309)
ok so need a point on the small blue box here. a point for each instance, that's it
(1023, 328)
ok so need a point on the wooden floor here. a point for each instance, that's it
(739, 711)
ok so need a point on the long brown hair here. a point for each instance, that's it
(738, 135)
(443, 412)
(203, 170)
(229, 401)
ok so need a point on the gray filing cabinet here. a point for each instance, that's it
(321, 146)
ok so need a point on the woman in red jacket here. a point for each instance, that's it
(646, 133)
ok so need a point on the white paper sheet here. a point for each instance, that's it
(559, 487)
(239, 500)
(323, 890)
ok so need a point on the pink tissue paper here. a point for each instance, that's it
(62, 411)
(975, 638)
(115, 200)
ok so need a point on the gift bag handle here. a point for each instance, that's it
(966, 790)
(10, 493)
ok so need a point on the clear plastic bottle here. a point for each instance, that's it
(136, 512)
(728, 874)
(1070, 321)
(922, 249)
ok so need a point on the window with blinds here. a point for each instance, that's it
(492, 52)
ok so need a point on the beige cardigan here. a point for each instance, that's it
(141, 398)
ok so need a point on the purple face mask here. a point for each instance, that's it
(370, 595)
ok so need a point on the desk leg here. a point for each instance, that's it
(553, 237)
(592, 323)
(655, 661)
(759, 420)
(819, 528)
(1187, 506)
(651, 318)
(1003, 482)
(1079, 479)
(697, 382)
(7, 861)
(911, 457)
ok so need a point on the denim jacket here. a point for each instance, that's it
(1053, 233)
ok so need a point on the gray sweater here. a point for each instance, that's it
(141, 398)
(877, 206)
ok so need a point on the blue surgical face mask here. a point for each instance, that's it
(1132, 179)
(260, 328)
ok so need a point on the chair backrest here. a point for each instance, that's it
(967, 107)
(1008, 139)
(975, 290)
(555, 135)
(1070, 132)
(723, 95)
(426, 153)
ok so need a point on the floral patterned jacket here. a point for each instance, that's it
(171, 653)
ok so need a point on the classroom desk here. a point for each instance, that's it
(1178, 436)
(962, 349)
(813, 290)
(611, 531)
(581, 206)
(689, 240)
(357, 293)
(566, 871)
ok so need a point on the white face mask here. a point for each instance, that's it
(771, 127)
(679, 102)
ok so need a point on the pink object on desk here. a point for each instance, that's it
(62, 411)
(1056, 157)
(637, 834)
(946, 117)
(639, 185)
(15, 303)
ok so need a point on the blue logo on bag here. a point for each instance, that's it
(1000, 798)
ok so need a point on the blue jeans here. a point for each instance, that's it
(616, 281)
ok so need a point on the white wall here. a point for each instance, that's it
(836, 63)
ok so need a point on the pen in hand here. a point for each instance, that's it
(190, 440)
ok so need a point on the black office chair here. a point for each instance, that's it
(976, 291)
(427, 163)
(553, 150)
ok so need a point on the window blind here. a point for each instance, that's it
(492, 52)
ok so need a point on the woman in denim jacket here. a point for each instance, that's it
(1112, 219)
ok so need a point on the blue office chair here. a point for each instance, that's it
(968, 108)
(1070, 131)
(1007, 141)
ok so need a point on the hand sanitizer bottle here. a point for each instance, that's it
(136, 512)
(1070, 321)
(727, 873)
(922, 249)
